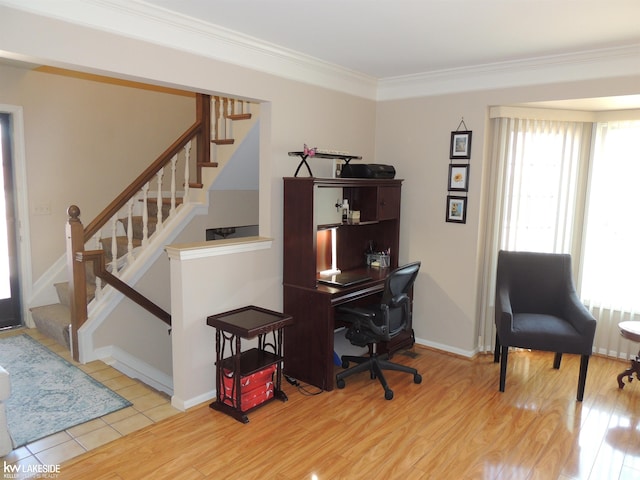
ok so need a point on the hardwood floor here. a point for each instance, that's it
(455, 425)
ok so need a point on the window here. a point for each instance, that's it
(555, 192)
(611, 261)
(542, 163)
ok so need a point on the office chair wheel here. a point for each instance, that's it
(345, 363)
(340, 383)
(417, 378)
(388, 394)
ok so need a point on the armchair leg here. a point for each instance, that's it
(503, 366)
(584, 364)
(496, 353)
(556, 360)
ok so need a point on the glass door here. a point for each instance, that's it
(10, 315)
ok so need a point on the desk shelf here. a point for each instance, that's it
(332, 156)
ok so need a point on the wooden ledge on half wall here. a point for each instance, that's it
(210, 248)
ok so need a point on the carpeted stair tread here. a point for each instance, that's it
(152, 207)
(53, 321)
(62, 289)
(136, 224)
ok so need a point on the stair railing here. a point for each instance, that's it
(88, 245)
(154, 205)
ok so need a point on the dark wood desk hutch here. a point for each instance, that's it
(311, 216)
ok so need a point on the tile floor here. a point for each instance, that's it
(149, 406)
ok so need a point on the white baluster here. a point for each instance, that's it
(159, 176)
(130, 232)
(145, 214)
(187, 163)
(230, 122)
(114, 246)
(98, 246)
(174, 160)
(225, 107)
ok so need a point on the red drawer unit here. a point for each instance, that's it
(254, 389)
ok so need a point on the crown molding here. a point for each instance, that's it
(140, 20)
(587, 65)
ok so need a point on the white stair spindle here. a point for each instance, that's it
(145, 214)
(174, 161)
(225, 117)
(230, 122)
(98, 246)
(159, 176)
(114, 245)
(187, 163)
(130, 257)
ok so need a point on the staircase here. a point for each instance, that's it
(138, 219)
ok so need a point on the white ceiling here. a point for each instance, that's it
(390, 38)
(387, 49)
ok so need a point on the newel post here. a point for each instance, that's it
(77, 276)
(203, 117)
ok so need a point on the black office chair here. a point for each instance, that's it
(537, 307)
(380, 323)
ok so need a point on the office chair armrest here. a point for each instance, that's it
(358, 312)
(364, 318)
(399, 300)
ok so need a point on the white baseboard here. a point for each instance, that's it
(182, 404)
(135, 368)
(447, 348)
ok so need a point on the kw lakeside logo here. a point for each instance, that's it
(33, 471)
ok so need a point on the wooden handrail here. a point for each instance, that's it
(121, 200)
(97, 257)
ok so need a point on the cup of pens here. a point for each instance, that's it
(378, 260)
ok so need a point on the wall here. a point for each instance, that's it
(414, 135)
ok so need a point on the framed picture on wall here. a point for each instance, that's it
(456, 209)
(458, 178)
(460, 145)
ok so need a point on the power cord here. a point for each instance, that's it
(292, 381)
(303, 389)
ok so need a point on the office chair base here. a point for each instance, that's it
(375, 365)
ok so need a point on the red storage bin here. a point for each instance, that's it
(255, 388)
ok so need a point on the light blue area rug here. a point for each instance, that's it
(49, 394)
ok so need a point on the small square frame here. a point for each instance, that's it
(458, 178)
(456, 209)
(460, 147)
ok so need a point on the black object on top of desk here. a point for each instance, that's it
(344, 279)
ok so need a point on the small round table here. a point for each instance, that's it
(631, 331)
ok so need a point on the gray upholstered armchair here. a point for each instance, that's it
(537, 307)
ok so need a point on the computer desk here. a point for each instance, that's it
(308, 343)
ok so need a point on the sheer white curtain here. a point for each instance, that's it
(610, 280)
(538, 178)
